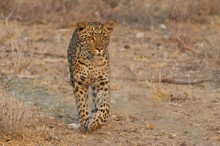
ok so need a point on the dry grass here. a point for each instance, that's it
(191, 26)
(17, 46)
(65, 12)
(22, 57)
(183, 36)
(167, 92)
(194, 11)
(181, 28)
(14, 115)
(16, 56)
(21, 60)
(185, 14)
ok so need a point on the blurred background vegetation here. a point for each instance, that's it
(140, 13)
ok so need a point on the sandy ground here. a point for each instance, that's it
(161, 95)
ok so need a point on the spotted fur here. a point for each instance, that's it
(88, 60)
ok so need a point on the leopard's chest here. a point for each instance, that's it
(92, 67)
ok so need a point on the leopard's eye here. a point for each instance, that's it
(93, 39)
(107, 39)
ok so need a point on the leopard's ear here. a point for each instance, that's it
(109, 25)
(81, 25)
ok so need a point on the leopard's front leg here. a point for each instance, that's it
(102, 105)
(81, 97)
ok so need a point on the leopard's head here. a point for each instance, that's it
(95, 36)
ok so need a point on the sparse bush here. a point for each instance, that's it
(184, 35)
(194, 11)
(17, 46)
(14, 115)
(181, 27)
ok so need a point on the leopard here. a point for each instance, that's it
(89, 68)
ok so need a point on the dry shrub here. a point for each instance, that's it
(206, 7)
(51, 11)
(181, 27)
(184, 35)
(187, 18)
(14, 115)
(168, 92)
(194, 11)
(21, 58)
(139, 12)
(176, 93)
(17, 51)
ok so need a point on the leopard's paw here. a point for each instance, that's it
(74, 125)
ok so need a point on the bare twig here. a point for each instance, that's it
(8, 17)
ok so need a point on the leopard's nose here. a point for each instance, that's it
(99, 48)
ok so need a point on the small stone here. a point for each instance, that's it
(158, 44)
(139, 35)
(149, 126)
(218, 132)
(118, 118)
(167, 37)
(112, 101)
(172, 136)
(54, 138)
(113, 116)
(163, 26)
(127, 46)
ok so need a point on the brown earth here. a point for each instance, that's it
(163, 93)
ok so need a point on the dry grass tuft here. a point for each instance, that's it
(14, 115)
(170, 93)
(21, 60)
(181, 27)
(17, 52)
